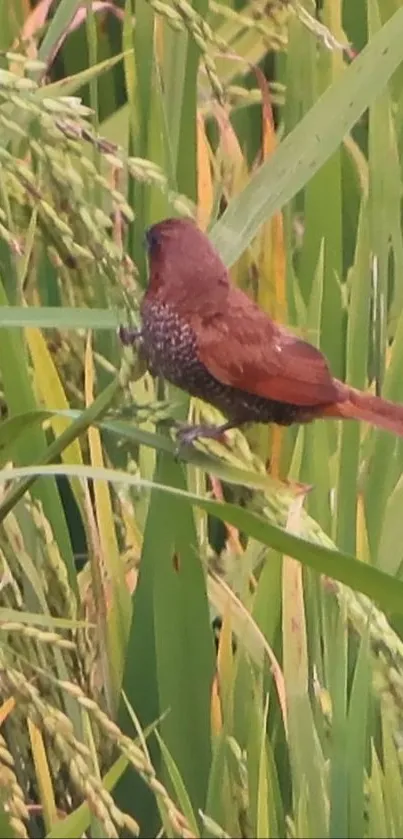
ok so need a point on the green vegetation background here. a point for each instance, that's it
(211, 646)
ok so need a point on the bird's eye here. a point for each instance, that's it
(150, 238)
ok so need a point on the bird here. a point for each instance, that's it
(209, 338)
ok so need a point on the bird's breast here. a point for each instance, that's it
(168, 342)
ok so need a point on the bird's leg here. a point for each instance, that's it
(128, 335)
(189, 433)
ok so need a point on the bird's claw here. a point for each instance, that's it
(187, 434)
(128, 335)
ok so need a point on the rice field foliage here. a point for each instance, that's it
(211, 645)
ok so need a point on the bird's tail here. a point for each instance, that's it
(367, 408)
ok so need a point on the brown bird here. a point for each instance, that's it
(208, 338)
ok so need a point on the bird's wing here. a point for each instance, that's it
(243, 348)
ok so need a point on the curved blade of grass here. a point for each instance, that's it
(179, 787)
(65, 439)
(380, 587)
(311, 143)
(62, 17)
(11, 430)
(69, 85)
(58, 317)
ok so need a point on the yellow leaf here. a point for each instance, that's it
(6, 708)
(216, 716)
(119, 615)
(205, 191)
(43, 776)
(49, 388)
(271, 261)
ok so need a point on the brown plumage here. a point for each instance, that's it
(208, 338)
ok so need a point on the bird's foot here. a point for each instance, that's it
(128, 335)
(187, 434)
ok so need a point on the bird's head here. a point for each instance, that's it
(183, 263)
